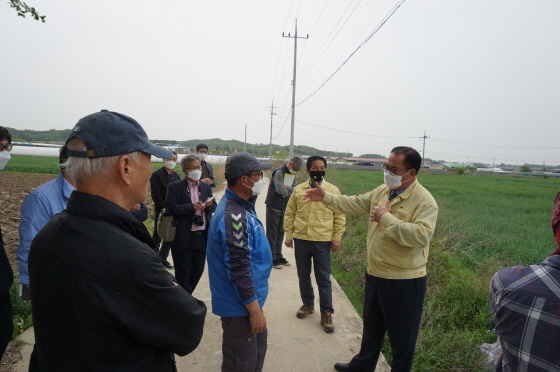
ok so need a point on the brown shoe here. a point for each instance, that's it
(305, 310)
(326, 321)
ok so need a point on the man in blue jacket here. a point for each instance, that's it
(239, 264)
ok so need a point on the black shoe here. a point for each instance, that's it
(276, 264)
(166, 264)
(282, 261)
(345, 367)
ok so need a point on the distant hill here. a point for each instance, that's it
(28, 135)
(216, 145)
(220, 146)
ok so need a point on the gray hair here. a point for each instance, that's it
(82, 168)
(297, 161)
(187, 159)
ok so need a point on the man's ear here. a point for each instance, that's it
(126, 169)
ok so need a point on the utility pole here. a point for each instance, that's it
(272, 113)
(245, 144)
(295, 37)
(424, 149)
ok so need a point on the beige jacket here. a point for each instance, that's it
(397, 246)
(312, 221)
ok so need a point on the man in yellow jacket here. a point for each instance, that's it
(403, 218)
(314, 231)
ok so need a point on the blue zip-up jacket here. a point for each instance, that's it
(239, 257)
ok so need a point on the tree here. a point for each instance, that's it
(22, 9)
(525, 169)
(372, 156)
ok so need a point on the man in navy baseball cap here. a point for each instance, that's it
(93, 267)
(109, 133)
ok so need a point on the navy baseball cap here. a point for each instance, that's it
(241, 163)
(109, 133)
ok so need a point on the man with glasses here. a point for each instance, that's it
(403, 218)
(239, 264)
(6, 274)
(189, 201)
(280, 188)
(158, 189)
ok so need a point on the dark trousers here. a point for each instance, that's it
(6, 322)
(395, 306)
(166, 246)
(320, 253)
(275, 231)
(189, 262)
(242, 350)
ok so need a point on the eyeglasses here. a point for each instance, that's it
(6, 148)
(394, 170)
(261, 174)
(194, 168)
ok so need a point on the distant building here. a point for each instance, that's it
(374, 163)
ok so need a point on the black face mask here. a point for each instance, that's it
(317, 175)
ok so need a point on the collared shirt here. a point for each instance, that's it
(312, 221)
(398, 245)
(37, 209)
(195, 197)
(525, 305)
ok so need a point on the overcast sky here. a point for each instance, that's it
(479, 76)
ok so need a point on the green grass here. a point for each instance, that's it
(32, 164)
(484, 223)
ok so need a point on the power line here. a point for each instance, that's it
(354, 52)
(345, 131)
(493, 145)
(313, 60)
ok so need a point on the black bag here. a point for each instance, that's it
(166, 223)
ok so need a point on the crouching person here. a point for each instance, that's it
(98, 286)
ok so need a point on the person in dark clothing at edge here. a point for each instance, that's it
(189, 201)
(6, 274)
(98, 287)
(207, 170)
(158, 189)
(276, 201)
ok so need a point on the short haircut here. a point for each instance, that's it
(297, 161)
(63, 157)
(187, 159)
(412, 159)
(82, 168)
(201, 146)
(4, 134)
(232, 181)
(313, 158)
(174, 153)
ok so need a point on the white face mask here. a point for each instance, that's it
(4, 158)
(392, 180)
(257, 186)
(292, 171)
(170, 164)
(202, 156)
(194, 175)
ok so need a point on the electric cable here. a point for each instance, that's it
(400, 2)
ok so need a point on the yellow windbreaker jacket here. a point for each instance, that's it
(312, 221)
(397, 246)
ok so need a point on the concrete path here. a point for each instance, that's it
(294, 344)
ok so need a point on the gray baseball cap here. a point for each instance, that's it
(241, 163)
(109, 133)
